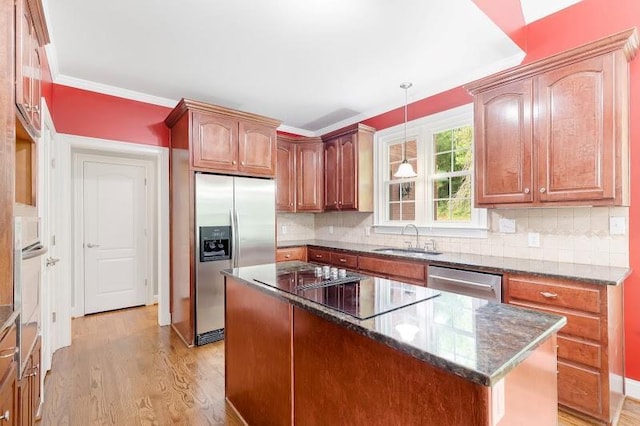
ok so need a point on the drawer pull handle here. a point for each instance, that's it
(318, 256)
(8, 353)
(343, 260)
(6, 416)
(548, 295)
(287, 256)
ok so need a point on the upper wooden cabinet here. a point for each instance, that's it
(556, 131)
(348, 169)
(299, 177)
(31, 34)
(224, 140)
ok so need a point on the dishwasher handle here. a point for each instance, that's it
(486, 287)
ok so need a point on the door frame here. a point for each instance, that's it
(68, 146)
(79, 159)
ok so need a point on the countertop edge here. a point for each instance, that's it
(452, 263)
(353, 324)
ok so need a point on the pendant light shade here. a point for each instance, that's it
(405, 169)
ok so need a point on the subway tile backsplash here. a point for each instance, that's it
(579, 235)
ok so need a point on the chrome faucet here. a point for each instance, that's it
(417, 234)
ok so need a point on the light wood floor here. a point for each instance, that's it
(123, 369)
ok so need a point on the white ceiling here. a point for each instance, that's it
(314, 64)
(536, 9)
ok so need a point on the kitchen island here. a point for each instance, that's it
(377, 351)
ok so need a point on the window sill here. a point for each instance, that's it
(440, 231)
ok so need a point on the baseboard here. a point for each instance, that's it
(632, 388)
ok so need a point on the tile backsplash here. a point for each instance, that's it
(579, 235)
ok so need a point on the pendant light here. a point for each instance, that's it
(405, 170)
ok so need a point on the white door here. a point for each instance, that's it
(114, 207)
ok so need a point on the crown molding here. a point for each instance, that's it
(297, 131)
(106, 89)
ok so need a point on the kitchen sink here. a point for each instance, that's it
(407, 251)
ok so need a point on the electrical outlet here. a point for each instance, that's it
(617, 225)
(507, 226)
(534, 239)
(331, 229)
(367, 231)
(283, 229)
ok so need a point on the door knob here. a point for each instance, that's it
(543, 190)
(51, 261)
(89, 245)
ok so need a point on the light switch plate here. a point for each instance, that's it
(330, 229)
(283, 229)
(534, 239)
(507, 226)
(617, 225)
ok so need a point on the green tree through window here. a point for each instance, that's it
(453, 161)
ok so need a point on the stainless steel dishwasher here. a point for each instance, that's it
(477, 284)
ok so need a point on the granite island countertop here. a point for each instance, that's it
(472, 338)
(595, 274)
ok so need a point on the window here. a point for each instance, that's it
(440, 148)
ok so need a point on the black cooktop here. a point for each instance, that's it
(357, 295)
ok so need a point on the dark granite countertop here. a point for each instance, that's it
(469, 337)
(606, 275)
(7, 317)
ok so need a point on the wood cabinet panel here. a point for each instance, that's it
(8, 396)
(560, 293)
(348, 172)
(504, 144)
(291, 253)
(580, 388)
(318, 255)
(413, 272)
(256, 149)
(215, 142)
(285, 177)
(578, 324)
(331, 167)
(8, 347)
(575, 131)
(581, 351)
(258, 355)
(309, 177)
(568, 113)
(344, 260)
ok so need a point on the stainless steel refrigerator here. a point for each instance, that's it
(235, 226)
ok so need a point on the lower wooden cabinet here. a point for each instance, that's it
(590, 355)
(8, 392)
(28, 389)
(291, 253)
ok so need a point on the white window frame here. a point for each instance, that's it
(422, 130)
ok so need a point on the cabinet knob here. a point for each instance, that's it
(233, 162)
(291, 204)
(543, 190)
(5, 416)
(527, 190)
(242, 163)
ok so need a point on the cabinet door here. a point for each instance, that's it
(24, 37)
(285, 177)
(35, 377)
(8, 393)
(503, 144)
(348, 170)
(36, 92)
(575, 131)
(331, 175)
(257, 149)
(24, 410)
(310, 177)
(214, 142)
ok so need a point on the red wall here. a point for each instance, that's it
(84, 113)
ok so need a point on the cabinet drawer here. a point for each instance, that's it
(578, 351)
(318, 255)
(580, 389)
(291, 253)
(561, 293)
(415, 272)
(344, 260)
(7, 350)
(8, 393)
(578, 324)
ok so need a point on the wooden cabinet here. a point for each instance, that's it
(556, 131)
(590, 345)
(31, 34)
(348, 169)
(291, 253)
(299, 176)
(224, 140)
(315, 254)
(8, 393)
(29, 392)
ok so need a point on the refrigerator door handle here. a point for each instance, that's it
(234, 238)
